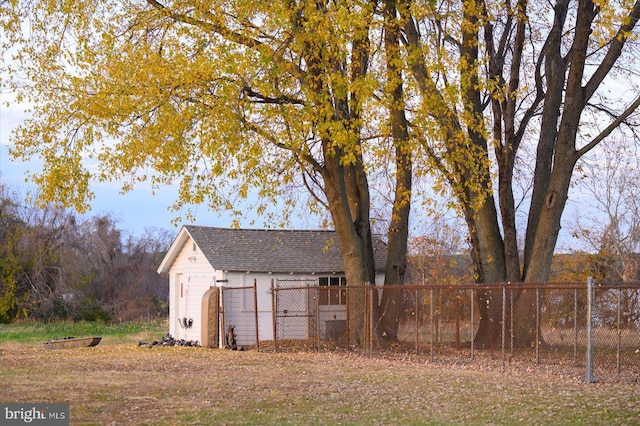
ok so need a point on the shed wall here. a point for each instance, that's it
(190, 276)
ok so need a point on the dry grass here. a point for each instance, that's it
(120, 383)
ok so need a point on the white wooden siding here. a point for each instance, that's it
(330, 313)
(197, 276)
(238, 306)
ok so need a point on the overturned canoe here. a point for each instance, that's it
(72, 342)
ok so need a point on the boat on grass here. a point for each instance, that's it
(72, 342)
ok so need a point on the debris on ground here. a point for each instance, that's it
(169, 340)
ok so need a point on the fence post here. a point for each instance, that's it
(417, 323)
(575, 324)
(437, 314)
(369, 290)
(619, 330)
(589, 330)
(348, 308)
(222, 320)
(255, 308)
(432, 323)
(504, 322)
(473, 327)
(317, 308)
(537, 325)
(511, 335)
(274, 316)
(457, 320)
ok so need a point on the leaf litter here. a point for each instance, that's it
(125, 384)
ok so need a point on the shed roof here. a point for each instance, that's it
(267, 250)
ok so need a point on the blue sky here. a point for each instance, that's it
(134, 211)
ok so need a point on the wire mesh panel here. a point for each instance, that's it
(239, 318)
(408, 306)
(543, 323)
(616, 329)
(628, 327)
(562, 335)
(296, 311)
(517, 323)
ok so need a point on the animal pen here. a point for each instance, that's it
(589, 326)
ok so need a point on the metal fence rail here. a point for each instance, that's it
(468, 320)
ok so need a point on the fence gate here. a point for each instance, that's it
(295, 310)
(239, 316)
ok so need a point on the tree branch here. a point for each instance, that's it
(207, 26)
(615, 50)
(611, 127)
(280, 100)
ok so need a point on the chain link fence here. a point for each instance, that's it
(509, 324)
(239, 317)
(295, 314)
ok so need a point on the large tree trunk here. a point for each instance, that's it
(555, 161)
(481, 214)
(344, 178)
(390, 307)
(491, 268)
(353, 232)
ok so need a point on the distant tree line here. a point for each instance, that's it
(440, 255)
(57, 265)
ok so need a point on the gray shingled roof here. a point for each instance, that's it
(277, 251)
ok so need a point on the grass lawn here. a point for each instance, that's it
(117, 382)
(37, 332)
